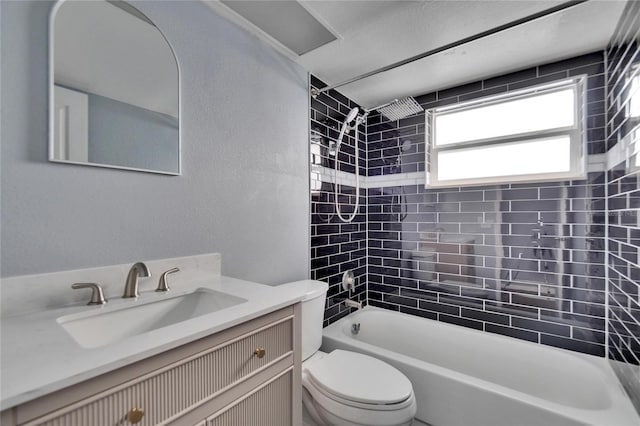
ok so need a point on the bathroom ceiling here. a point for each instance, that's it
(373, 34)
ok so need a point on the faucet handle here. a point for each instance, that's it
(163, 285)
(97, 296)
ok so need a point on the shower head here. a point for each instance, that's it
(398, 109)
(352, 115)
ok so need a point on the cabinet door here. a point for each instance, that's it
(268, 405)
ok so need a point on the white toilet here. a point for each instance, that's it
(344, 388)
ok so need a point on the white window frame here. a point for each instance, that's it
(576, 133)
(632, 137)
(633, 96)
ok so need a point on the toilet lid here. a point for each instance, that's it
(360, 378)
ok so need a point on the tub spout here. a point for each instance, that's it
(352, 304)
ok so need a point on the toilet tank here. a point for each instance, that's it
(315, 294)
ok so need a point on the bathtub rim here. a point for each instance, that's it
(620, 402)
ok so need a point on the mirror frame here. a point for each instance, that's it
(51, 89)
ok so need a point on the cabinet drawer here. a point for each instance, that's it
(268, 405)
(166, 393)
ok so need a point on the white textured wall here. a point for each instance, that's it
(244, 190)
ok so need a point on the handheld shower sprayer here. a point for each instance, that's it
(394, 110)
(353, 120)
(352, 115)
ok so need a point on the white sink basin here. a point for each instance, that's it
(95, 329)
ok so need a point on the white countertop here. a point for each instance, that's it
(39, 357)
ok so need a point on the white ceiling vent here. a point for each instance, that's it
(288, 22)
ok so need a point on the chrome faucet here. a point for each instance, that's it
(139, 269)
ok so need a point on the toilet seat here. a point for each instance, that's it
(354, 378)
(344, 388)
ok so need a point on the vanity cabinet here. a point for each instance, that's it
(246, 375)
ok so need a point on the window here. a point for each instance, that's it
(533, 134)
(633, 114)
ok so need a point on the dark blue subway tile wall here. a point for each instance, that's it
(623, 197)
(464, 255)
(623, 262)
(337, 247)
(328, 111)
(395, 147)
(472, 256)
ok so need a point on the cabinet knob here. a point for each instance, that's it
(260, 352)
(135, 415)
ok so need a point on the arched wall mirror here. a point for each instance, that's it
(113, 89)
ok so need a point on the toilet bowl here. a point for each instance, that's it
(344, 388)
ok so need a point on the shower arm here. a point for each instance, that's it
(512, 24)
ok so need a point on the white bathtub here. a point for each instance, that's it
(464, 377)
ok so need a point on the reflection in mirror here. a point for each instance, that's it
(526, 251)
(114, 89)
